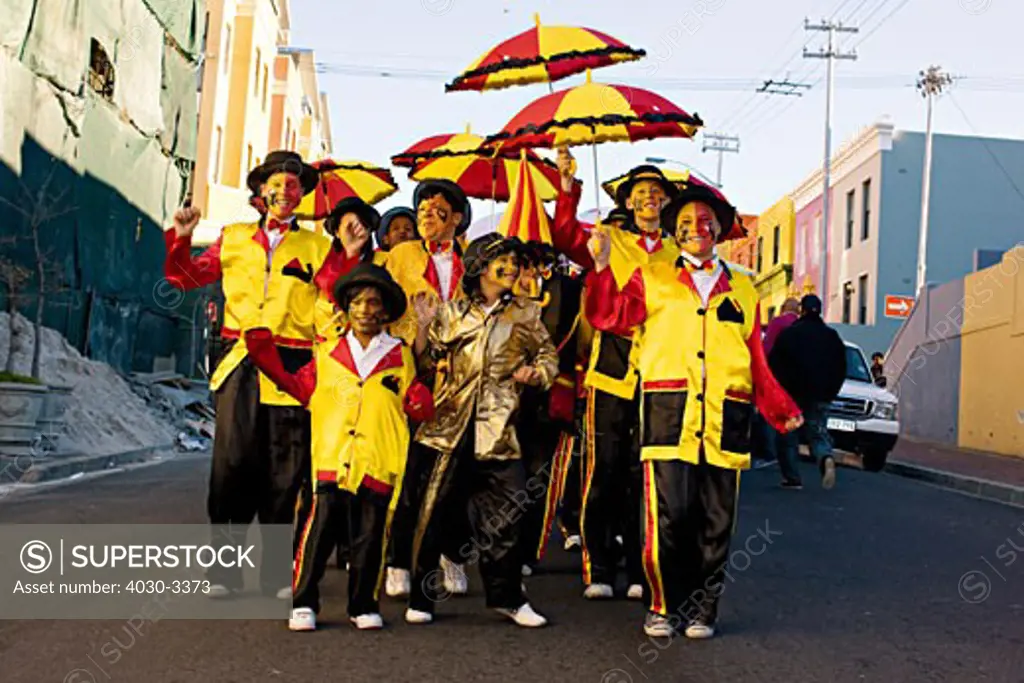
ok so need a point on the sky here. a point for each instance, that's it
(707, 56)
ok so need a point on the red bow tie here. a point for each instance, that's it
(708, 265)
(439, 247)
(280, 226)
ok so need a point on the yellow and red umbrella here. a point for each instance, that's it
(541, 55)
(341, 179)
(462, 158)
(593, 113)
(682, 180)
(525, 216)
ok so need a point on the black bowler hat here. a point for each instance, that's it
(640, 173)
(367, 274)
(283, 161)
(366, 213)
(451, 192)
(481, 252)
(724, 211)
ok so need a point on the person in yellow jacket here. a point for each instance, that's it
(703, 370)
(612, 482)
(272, 273)
(359, 391)
(429, 267)
(397, 225)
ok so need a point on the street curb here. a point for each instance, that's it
(993, 491)
(63, 467)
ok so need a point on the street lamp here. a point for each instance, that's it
(930, 85)
(691, 169)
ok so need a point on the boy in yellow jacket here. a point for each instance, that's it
(358, 391)
(702, 370)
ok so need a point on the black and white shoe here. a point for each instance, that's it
(792, 484)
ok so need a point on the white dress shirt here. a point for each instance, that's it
(366, 359)
(443, 264)
(651, 242)
(274, 237)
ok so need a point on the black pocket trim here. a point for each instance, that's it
(737, 417)
(391, 383)
(663, 418)
(304, 275)
(613, 356)
(728, 313)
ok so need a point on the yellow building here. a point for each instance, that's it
(774, 256)
(257, 95)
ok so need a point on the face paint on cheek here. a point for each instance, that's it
(695, 229)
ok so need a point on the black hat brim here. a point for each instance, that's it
(640, 174)
(368, 274)
(453, 191)
(308, 176)
(724, 211)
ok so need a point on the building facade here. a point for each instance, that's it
(743, 251)
(98, 121)
(258, 94)
(773, 256)
(876, 192)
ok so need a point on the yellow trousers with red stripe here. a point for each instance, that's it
(688, 520)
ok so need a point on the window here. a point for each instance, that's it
(760, 251)
(266, 73)
(775, 245)
(259, 60)
(216, 158)
(847, 301)
(101, 71)
(862, 300)
(865, 219)
(226, 52)
(849, 218)
(248, 158)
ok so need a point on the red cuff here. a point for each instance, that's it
(334, 266)
(419, 402)
(772, 401)
(263, 353)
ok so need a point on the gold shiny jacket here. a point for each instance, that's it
(473, 355)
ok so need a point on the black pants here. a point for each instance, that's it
(260, 464)
(418, 468)
(302, 511)
(362, 519)
(689, 515)
(493, 494)
(612, 489)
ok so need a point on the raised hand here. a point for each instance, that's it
(600, 247)
(185, 221)
(353, 235)
(566, 167)
(426, 306)
(793, 424)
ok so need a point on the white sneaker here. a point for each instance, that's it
(618, 539)
(635, 592)
(658, 626)
(368, 622)
(455, 581)
(699, 631)
(218, 592)
(398, 583)
(524, 616)
(573, 542)
(285, 593)
(527, 570)
(414, 616)
(599, 591)
(302, 619)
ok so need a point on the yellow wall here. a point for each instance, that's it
(774, 279)
(992, 358)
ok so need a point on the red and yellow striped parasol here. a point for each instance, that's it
(525, 216)
(341, 179)
(543, 54)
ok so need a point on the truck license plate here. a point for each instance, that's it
(842, 425)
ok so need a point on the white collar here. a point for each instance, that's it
(367, 359)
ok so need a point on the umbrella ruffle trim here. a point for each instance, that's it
(461, 81)
(594, 121)
(482, 151)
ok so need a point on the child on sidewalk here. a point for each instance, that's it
(358, 391)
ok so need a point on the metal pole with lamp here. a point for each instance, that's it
(929, 85)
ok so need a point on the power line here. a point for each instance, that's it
(952, 98)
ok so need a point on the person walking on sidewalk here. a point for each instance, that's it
(809, 360)
(768, 437)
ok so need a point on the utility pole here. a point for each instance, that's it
(930, 85)
(716, 142)
(831, 54)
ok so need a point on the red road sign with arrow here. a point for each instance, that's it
(898, 306)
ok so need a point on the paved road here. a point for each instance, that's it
(860, 584)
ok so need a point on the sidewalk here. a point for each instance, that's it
(999, 478)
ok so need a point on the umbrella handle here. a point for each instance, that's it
(597, 184)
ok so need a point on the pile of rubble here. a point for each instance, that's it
(107, 413)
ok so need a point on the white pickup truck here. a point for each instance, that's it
(863, 418)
